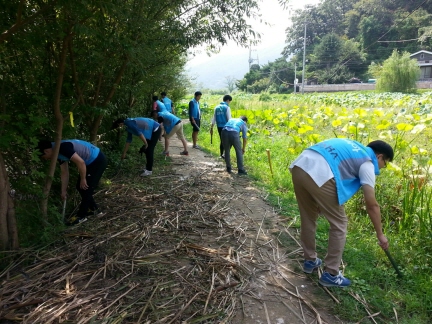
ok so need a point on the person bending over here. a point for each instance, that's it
(148, 131)
(172, 125)
(325, 176)
(91, 164)
(231, 137)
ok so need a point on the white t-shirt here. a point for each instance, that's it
(319, 170)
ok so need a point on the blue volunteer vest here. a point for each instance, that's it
(220, 114)
(235, 123)
(161, 106)
(170, 121)
(345, 158)
(196, 110)
(139, 125)
(87, 151)
(168, 104)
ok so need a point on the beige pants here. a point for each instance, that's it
(310, 197)
(177, 129)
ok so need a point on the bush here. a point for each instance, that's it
(398, 73)
(220, 92)
(264, 97)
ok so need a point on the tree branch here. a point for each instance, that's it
(21, 23)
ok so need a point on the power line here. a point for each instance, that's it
(388, 31)
(403, 40)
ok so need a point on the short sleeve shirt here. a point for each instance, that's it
(319, 170)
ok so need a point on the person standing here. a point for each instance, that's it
(91, 164)
(168, 103)
(148, 131)
(172, 125)
(325, 176)
(231, 137)
(158, 105)
(222, 113)
(195, 117)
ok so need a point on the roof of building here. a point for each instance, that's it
(422, 51)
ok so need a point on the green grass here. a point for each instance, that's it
(405, 209)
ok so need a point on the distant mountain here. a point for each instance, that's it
(213, 71)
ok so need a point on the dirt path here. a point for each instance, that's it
(189, 244)
(278, 291)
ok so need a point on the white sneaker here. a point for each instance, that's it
(146, 173)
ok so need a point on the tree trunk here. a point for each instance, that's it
(4, 185)
(8, 229)
(97, 120)
(12, 225)
(59, 122)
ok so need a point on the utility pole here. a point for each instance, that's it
(304, 59)
(295, 77)
(252, 59)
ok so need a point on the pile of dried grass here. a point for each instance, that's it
(146, 261)
(163, 253)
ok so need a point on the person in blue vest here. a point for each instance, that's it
(231, 137)
(168, 103)
(325, 176)
(222, 113)
(158, 105)
(91, 164)
(148, 131)
(195, 117)
(172, 125)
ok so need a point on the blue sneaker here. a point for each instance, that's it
(328, 280)
(310, 266)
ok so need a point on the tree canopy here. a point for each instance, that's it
(343, 37)
(69, 68)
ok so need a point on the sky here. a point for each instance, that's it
(233, 61)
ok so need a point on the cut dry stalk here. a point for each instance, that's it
(146, 305)
(210, 292)
(157, 256)
(291, 309)
(184, 308)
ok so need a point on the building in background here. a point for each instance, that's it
(424, 60)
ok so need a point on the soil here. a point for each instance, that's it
(189, 244)
(279, 291)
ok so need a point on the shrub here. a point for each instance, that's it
(264, 97)
(398, 73)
